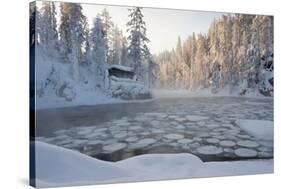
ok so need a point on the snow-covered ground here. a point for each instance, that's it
(56, 166)
(56, 87)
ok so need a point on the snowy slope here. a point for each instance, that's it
(56, 87)
(56, 166)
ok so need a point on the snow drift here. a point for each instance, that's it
(56, 166)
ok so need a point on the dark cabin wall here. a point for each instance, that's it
(120, 73)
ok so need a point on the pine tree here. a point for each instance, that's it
(137, 49)
(124, 52)
(64, 30)
(72, 30)
(98, 45)
(179, 63)
(49, 34)
(34, 24)
(72, 35)
(116, 51)
(108, 32)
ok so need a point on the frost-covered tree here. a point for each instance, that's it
(64, 29)
(179, 64)
(152, 71)
(192, 61)
(34, 25)
(116, 51)
(236, 53)
(48, 31)
(87, 55)
(108, 32)
(99, 50)
(72, 31)
(137, 48)
(216, 76)
(124, 52)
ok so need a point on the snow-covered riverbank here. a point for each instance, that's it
(89, 98)
(56, 166)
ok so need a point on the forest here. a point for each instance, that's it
(235, 55)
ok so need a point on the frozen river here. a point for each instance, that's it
(204, 126)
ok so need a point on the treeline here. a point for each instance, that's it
(67, 35)
(236, 52)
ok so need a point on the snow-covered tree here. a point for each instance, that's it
(179, 64)
(108, 32)
(237, 52)
(152, 71)
(48, 31)
(72, 30)
(137, 48)
(116, 51)
(64, 29)
(124, 52)
(99, 50)
(34, 24)
(216, 76)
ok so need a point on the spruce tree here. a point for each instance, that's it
(108, 32)
(49, 34)
(99, 50)
(137, 49)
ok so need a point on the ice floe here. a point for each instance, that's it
(227, 143)
(245, 152)
(209, 150)
(114, 147)
(174, 136)
(248, 143)
(195, 118)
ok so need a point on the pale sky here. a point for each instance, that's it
(163, 25)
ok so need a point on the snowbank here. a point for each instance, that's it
(85, 98)
(56, 166)
(258, 128)
(128, 90)
(56, 86)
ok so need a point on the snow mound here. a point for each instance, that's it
(56, 166)
(258, 128)
(73, 168)
(128, 90)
